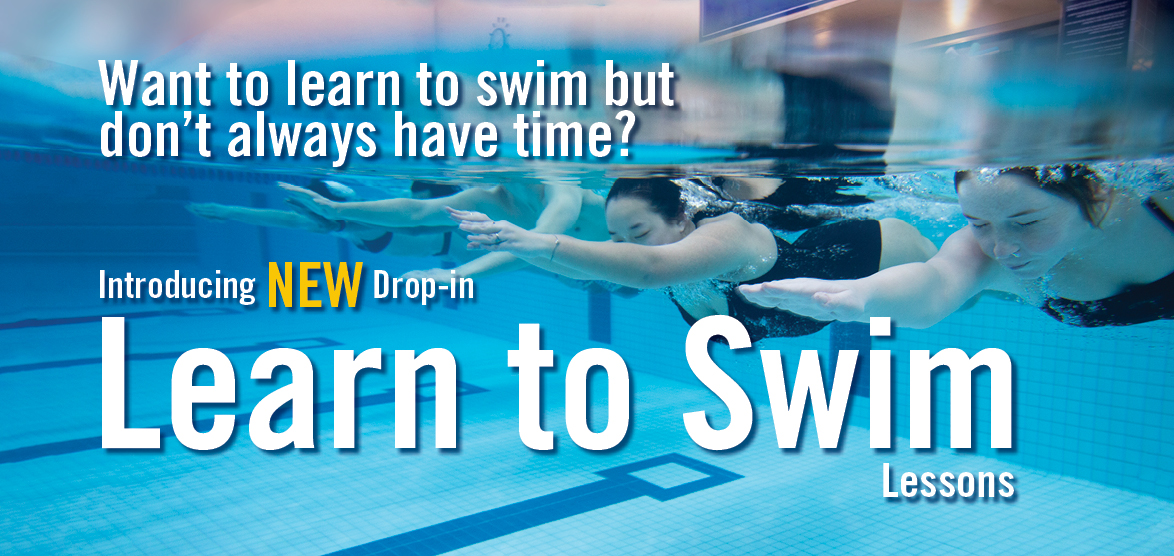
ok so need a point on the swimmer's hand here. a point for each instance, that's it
(311, 201)
(499, 235)
(211, 211)
(440, 275)
(819, 299)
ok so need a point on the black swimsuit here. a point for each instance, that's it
(375, 245)
(1134, 305)
(838, 251)
(380, 243)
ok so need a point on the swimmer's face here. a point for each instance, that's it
(632, 220)
(1026, 229)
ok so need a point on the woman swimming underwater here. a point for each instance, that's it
(1056, 236)
(655, 244)
(419, 241)
(549, 206)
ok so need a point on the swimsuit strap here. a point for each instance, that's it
(1159, 213)
(447, 243)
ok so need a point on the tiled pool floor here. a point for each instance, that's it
(493, 495)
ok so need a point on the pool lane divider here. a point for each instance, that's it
(298, 343)
(37, 323)
(166, 431)
(618, 485)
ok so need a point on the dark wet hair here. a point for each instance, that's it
(1075, 182)
(434, 190)
(320, 187)
(661, 194)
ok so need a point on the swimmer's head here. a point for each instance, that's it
(1075, 182)
(1029, 219)
(332, 190)
(423, 189)
(647, 211)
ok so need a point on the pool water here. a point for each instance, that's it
(1091, 462)
(1093, 455)
(1093, 409)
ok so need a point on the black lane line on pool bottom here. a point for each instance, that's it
(166, 431)
(37, 323)
(618, 485)
(259, 346)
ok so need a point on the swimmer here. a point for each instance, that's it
(549, 208)
(789, 191)
(781, 203)
(414, 242)
(700, 259)
(1057, 236)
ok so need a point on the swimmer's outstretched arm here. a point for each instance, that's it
(562, 204)
(257, 216)
(709, 252)
(486, 265)
(394, 213)
(560, 211)
(914, 295)
(384, 212)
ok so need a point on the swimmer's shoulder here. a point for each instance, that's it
(961, 245)
(962, 254)
(730, 223)
(731, 230)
